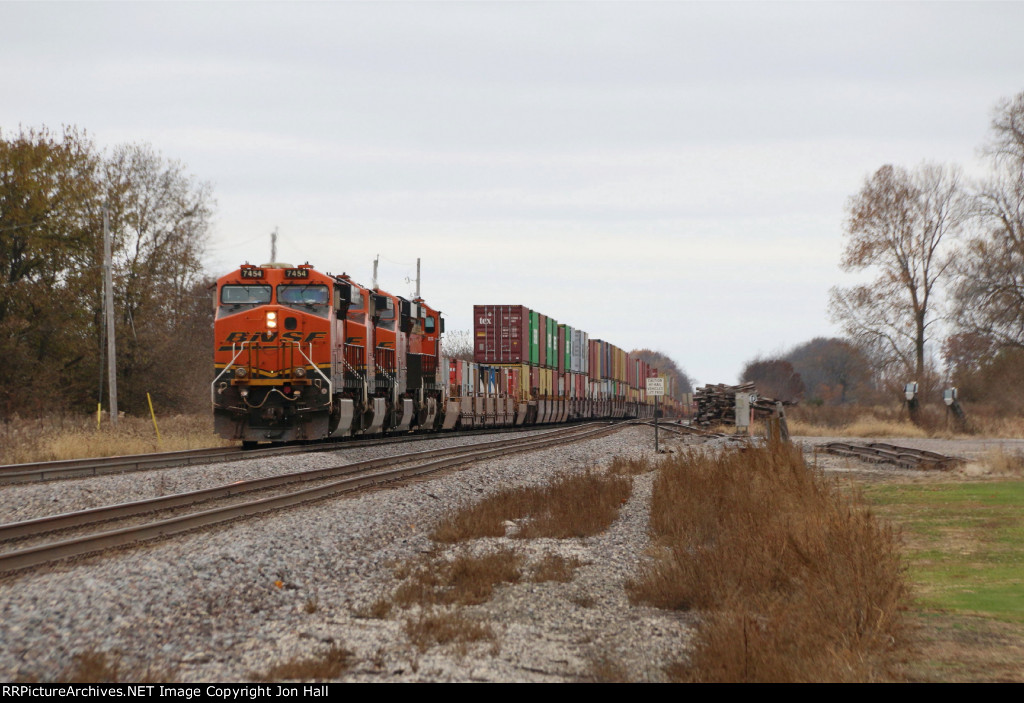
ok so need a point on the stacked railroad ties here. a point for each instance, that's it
(554, 372)
(716, 404)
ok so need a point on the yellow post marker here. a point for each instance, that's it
(99, 414)
(153, 415)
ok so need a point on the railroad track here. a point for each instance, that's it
(98, 466)
(175, 514)
(690, 430)
(890, 453)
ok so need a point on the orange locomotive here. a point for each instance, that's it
(301, 354)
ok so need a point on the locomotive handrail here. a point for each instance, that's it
(352, 368)
(330, 386)
(358, 375)
(213, 384)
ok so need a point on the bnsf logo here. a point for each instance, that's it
(237, 338)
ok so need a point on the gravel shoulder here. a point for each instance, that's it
(225, 604)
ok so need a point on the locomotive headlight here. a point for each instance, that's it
(244, 392)
(271, 319)
(240, 372)
(300, 371)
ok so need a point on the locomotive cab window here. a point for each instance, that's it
(428, 324)
(309, 298)
(356, 311)
(386, 313)
(235, 298)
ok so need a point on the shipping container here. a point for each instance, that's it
(565, 347)
(543, 343)
(501, 334)
(575, 361)
(560, 350)
(517, 384)
(534, 338)
(552, 339)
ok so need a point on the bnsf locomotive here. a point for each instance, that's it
(301, 354)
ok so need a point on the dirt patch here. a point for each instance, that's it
(966, 649)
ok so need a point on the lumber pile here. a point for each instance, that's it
(716, 404)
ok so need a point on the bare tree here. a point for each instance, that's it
(666, 365)
(457, 344)
(834, 371)
(989, 297)
(899, 226)
(774, 378)
(160, 216)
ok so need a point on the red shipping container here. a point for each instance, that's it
(501, 334)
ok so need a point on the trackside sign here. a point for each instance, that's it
(655, 386)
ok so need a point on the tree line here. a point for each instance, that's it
(947, 258)
(54, 188)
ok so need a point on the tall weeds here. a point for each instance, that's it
(58, 437)
(796, 583)
(572, 505)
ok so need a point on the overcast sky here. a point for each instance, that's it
(670, 175)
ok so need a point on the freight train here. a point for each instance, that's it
(300, 354)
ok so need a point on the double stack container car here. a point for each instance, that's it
(301, 354)
(570, 376)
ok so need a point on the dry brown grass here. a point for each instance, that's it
(863, 426)
(430, 628)
(622, 466)
(554, 567)
(322, 667)
(990, 425)
(892, 421)
(76, 437)
(1001, 461)
(572, 505)
(605, 669)
(796, 582)
(93, 666)
(464, 579)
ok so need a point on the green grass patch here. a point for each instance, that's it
(964, 543)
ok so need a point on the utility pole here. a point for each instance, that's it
(108, 303)
(417, 277)
(375, 260)
(273, 246)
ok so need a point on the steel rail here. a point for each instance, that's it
(99, 466)
(689, 430)
(893, 454)
(88, 544)
(52, 523)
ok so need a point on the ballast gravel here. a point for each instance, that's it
(228, 604)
